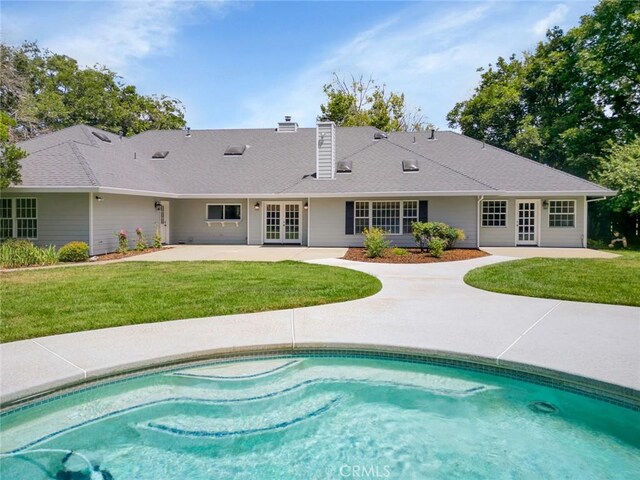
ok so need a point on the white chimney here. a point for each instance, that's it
(287, 126)
(325, 150)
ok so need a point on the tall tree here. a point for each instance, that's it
(564, 102)
(44, 91)
(10, 154)
(620, 171)
(360, 102)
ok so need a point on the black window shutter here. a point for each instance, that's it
(348, 219)
(423, 211)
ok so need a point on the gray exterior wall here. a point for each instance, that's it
(117, 212)
(547, 237)
(188, 223)
(62, 217)
(327, 217)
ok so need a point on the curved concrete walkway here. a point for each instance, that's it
(420, 308)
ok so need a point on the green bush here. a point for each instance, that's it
(453, 235)
(157, 239)
(437, 246)
(401, 252)
(22, 253)
(375, 242)
(141, 242)
(596, 244)
(74, 252)
(425, 232)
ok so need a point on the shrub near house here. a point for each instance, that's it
(436, 236)
(16, 253)
(74, 252)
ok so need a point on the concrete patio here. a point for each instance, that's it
(426, 308)
(546, 252)
(255, 253)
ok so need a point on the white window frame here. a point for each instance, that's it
(575, 213)
(223, 219)
(506, 214)
(14, 217)
(370, 214)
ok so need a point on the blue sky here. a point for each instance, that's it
(247, 64)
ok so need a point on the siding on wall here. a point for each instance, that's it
(62, 217)
(565, 236)
(117, 212)
(188, 221)
(327, 216)
(326, 151)
(547, 237)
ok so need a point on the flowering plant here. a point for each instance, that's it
(141, 243)
(123, 241)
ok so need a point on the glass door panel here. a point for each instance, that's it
(527, 223)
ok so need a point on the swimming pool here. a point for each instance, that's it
(320, 417)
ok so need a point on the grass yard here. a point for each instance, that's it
(615, 281)
(60, 300)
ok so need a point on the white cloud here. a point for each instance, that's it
(401, 52)
(554, 18)
(115, 34)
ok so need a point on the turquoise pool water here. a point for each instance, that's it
(321, 417)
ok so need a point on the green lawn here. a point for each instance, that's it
(60, 300)
(615, 281)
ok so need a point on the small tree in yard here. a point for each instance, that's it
(375, 242)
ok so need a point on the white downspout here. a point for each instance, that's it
(308, 221)
(248, 217)
(91, 223)
(585, 220)
(480, 198)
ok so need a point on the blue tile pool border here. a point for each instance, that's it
(612, 394)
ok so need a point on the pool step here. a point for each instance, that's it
(265, 421)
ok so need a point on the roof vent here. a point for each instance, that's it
(380, 135)
(235, 150)
(433, 134)
(287, 125)
(101, 136)
(160, 154)
(410, 166)
(188, 134)
(344, 166)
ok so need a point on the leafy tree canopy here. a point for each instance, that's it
(44, 91)
(359, 102)
(620, 170)
(563, 103)
(10, 155)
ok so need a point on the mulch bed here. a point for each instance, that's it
(130, 253)
(415, 256)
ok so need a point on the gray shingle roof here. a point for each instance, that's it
(284, 163)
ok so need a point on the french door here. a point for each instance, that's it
(527, 222)
(163, 221)
(282, 222)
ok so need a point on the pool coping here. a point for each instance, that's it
(610, 393)
(389, 321)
